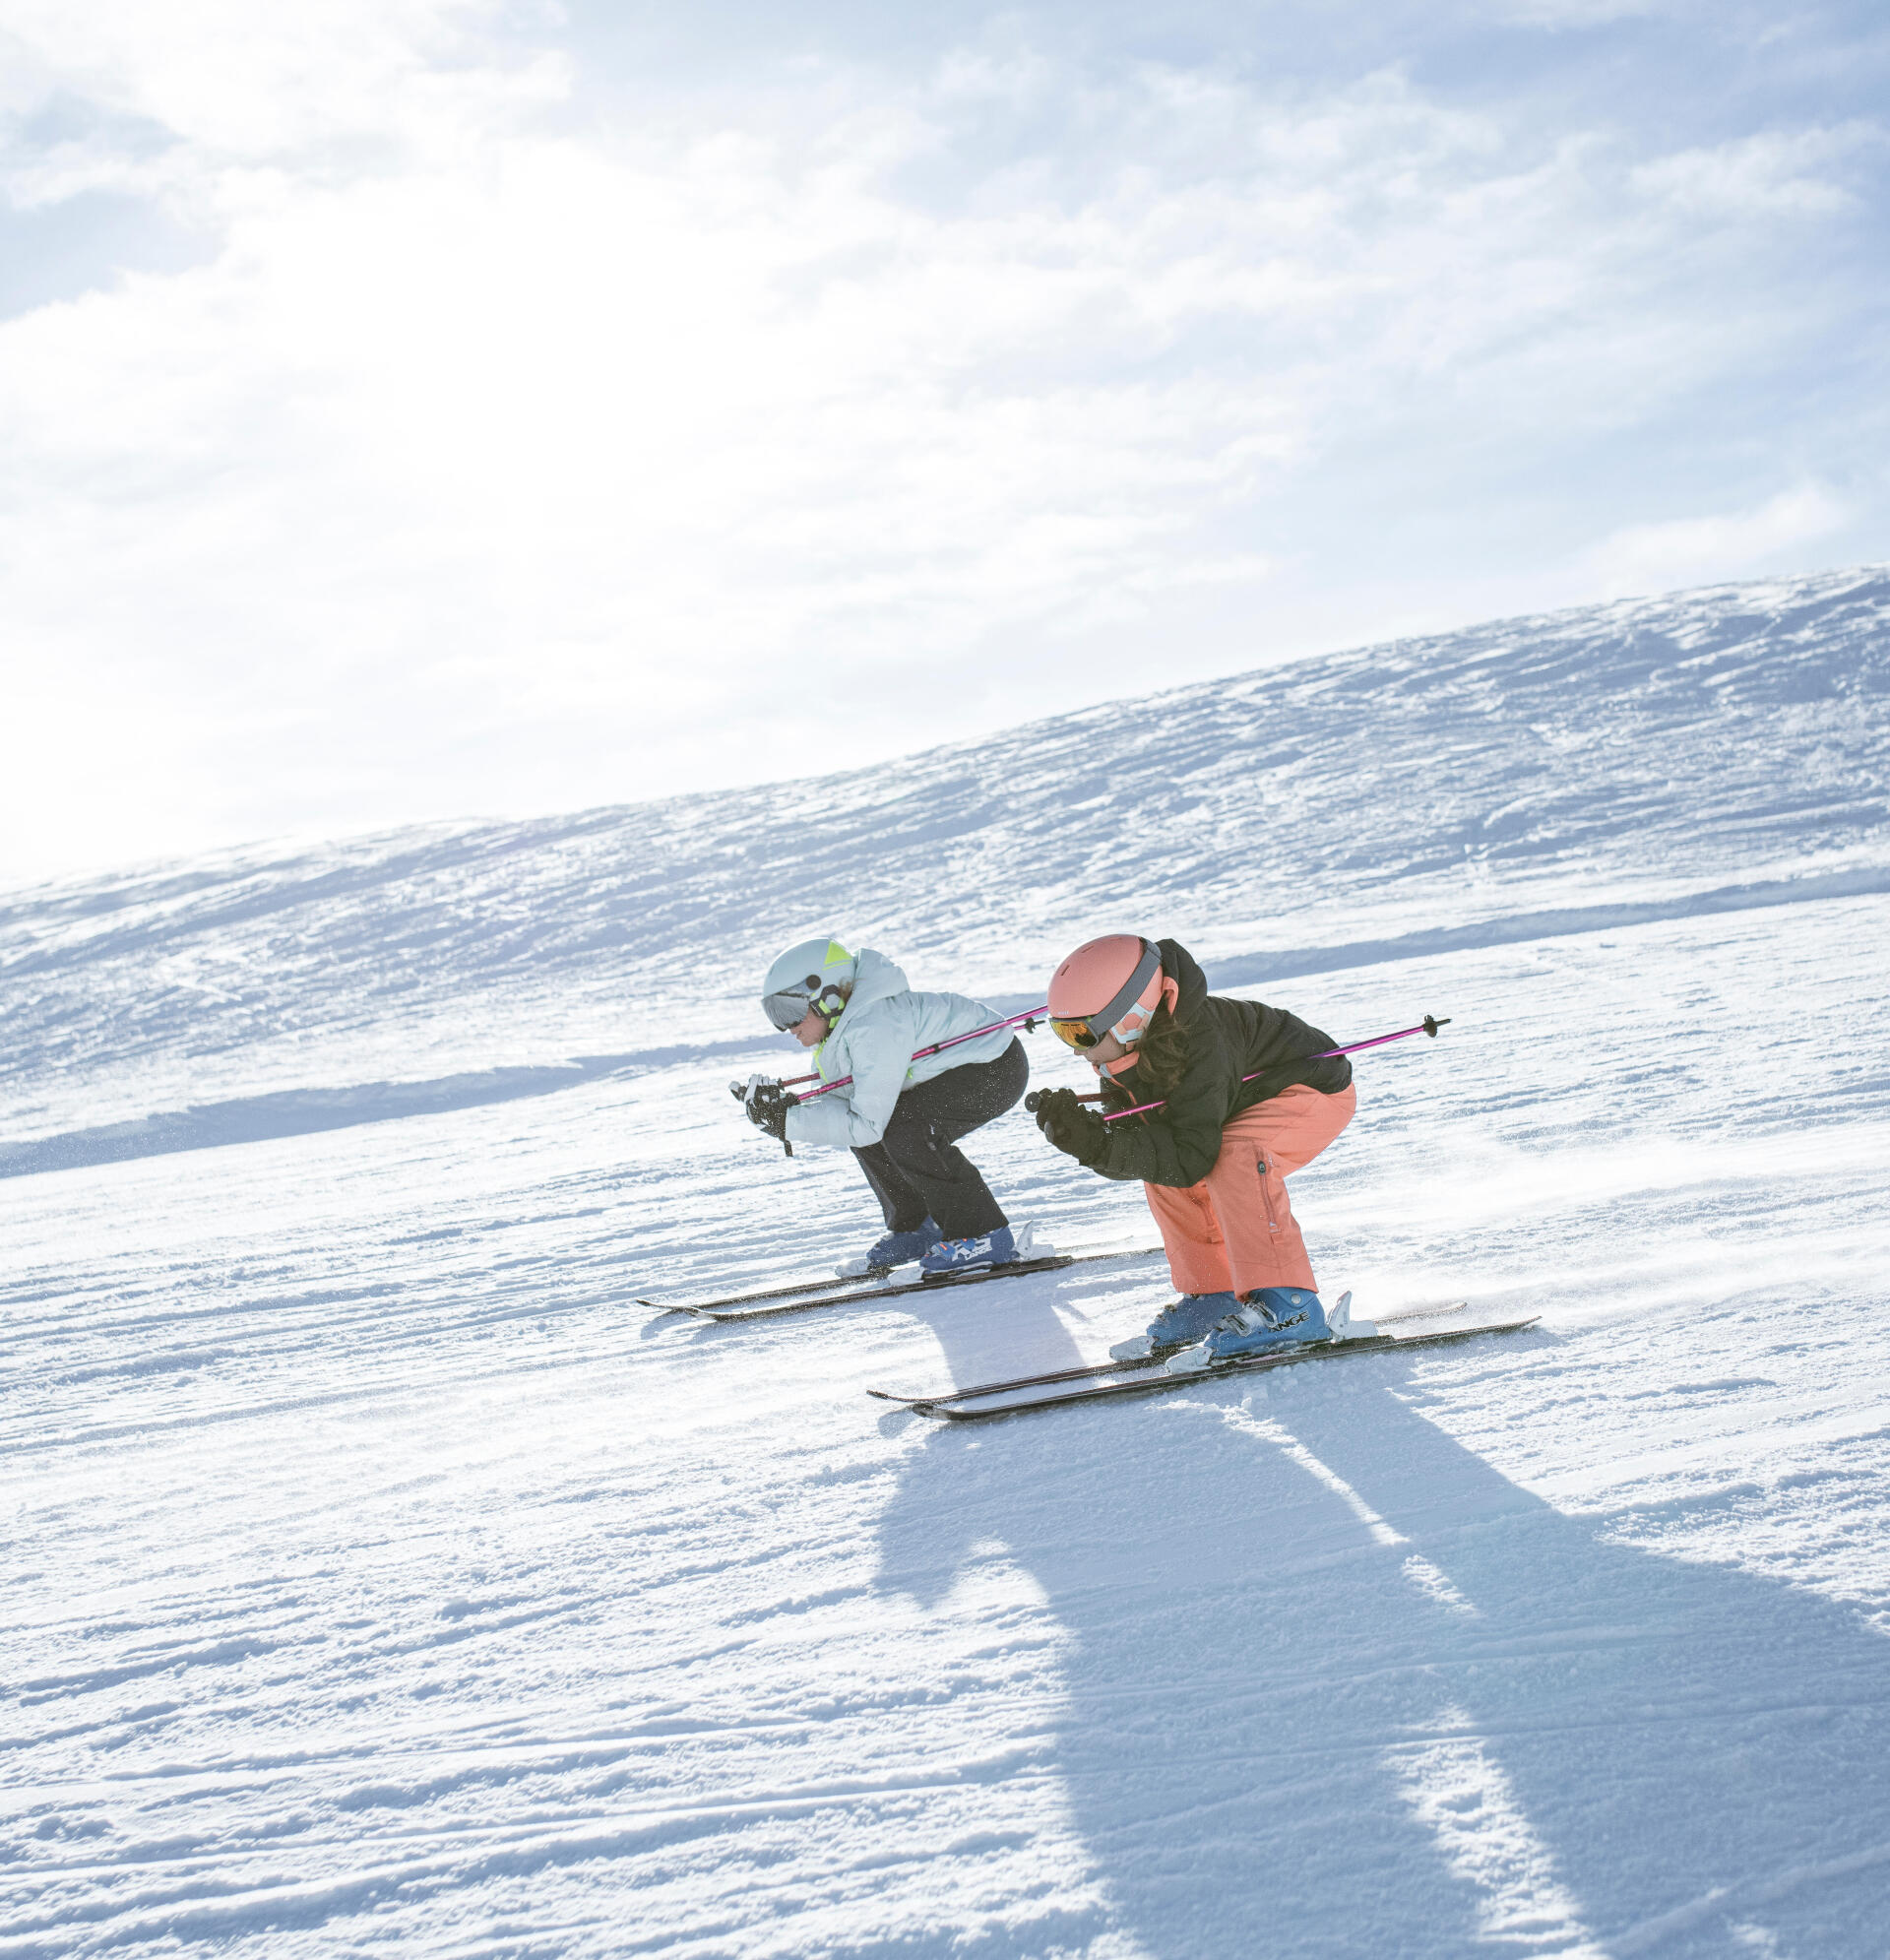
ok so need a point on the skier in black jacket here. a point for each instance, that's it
(1212, 1158)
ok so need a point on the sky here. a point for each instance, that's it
(413, 409)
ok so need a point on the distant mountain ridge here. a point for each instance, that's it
(1660, 753)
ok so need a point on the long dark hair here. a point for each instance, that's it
(1164, 1049)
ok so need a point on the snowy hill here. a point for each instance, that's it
(1635, 762)
(383, 1573)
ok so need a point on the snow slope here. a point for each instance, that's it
(381, 1574)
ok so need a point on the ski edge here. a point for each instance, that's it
(870, 1279)
(1017, 1269)
(1096, 1369)
(737, 1307)
(1155, 1379)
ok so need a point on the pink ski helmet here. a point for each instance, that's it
(1109, 987)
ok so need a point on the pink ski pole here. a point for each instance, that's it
(1027, 1022)
(1428, 1026)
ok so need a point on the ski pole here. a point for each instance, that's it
(1428, 1026)
(1027, 1022)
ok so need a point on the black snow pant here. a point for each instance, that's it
(916, 1169)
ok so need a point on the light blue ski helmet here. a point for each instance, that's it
(810, 975)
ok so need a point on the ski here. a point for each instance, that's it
(865, 1280)
(797, 1300)
(1099, 1369)
(1146, 1378)
(1003, 1387)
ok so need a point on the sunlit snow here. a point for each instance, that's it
(381, 1574)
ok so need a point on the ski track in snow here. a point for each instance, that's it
(381, 1575)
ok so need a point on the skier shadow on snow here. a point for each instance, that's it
(1010, 1329)
(1013, 1327)
(1467, 1723)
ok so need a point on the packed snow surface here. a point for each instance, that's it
(381, 1573)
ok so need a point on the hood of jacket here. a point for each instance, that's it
(1180, 966)
(875, 978)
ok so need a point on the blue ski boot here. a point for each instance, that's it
(901, 1248)
(1178, 1323)
(1273, 1317)
(953, 1256)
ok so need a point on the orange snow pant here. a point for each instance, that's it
(1234, 1231)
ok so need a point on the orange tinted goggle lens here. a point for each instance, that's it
(1078, 1033)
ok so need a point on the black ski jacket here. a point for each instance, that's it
(1227, 1040)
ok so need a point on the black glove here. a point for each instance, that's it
(767, 1103)
(1076, 1131)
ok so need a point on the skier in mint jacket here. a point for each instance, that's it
(902, 1114)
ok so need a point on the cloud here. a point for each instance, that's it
(234, 81)
(503, 455)
(1656, 557)
(1776, 174)
(1562, 14)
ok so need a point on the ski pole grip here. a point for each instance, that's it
(1034, 1102)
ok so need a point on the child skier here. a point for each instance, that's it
(901, 1115)
(1215, 1156)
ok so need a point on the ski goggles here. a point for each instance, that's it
(1126, 1016)
(787, 1009)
